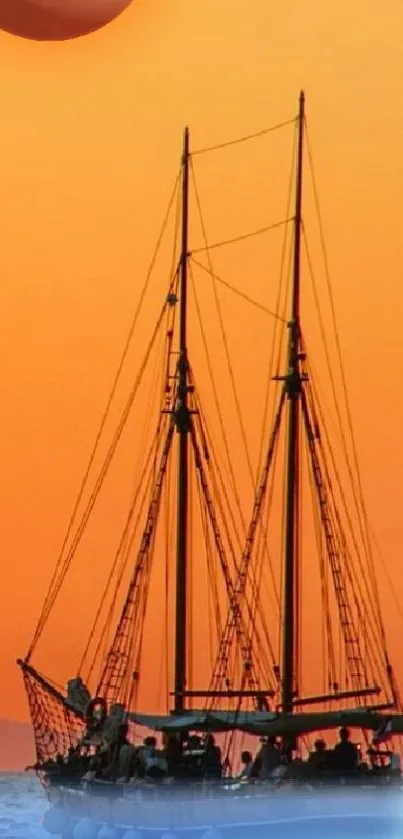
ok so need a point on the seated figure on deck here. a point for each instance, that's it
(212, 765)
(125, 755)
(193, 759)
(155, 762)
(173, 754)
(268, 758)
(78, 695)
(320, 760)
(246, 766)
(345, 754)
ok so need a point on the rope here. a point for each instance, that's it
(345, 391)
(224, 337)
(49, 604)
(217, 401)
(265, 513)
(278, 303)
(244, 139)
(220, 495)
(139, 483)
(360, 583)
(241, 238)
(45, 610)
(144, 482)
(359, 507)
(239, 293)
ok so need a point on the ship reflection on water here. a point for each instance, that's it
(365, 816)
(288, 816)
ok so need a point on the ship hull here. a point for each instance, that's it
(235, 815)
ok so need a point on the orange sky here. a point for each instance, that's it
(89, 148)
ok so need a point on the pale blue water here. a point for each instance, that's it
(22, 804)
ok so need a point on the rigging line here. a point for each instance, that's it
(169, 514)
(337, 339)
(323, 566)
(139, 609)
(105, 414)
(177, 228)
(225, 439)
(119, 551)
(243, 567)
(190, 583)
(220, 490)
(224, 335)
(245, 645)
(225, 342)
(217, 401)
(99, 483)
(299, 540)
(137, 630)
(234, 609)
(278, 303)
(148, 488)
(354, 480)
(329, 659)
(104, 471)
(367, 595)
(318, 414)
(273, 349)
(142, 563)
(221, 487)
(260, 579)
(244, 139)
(368, 628)
(155, 385)
(212, 583)
(263, 537)
(213, 479)
(336, 556)
(283, 335)
(282, 542)
(237, 291)
(208, 538)
(387, 575)
(122, 550)
(243, 236)
(123, 556)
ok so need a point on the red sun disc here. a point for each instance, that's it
(57, 20)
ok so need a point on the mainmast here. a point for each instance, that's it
(293, 384)
(182, 417)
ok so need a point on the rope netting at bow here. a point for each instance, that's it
(56, 727)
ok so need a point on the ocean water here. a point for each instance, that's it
(22, 805)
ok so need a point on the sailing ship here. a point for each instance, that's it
(250, 692)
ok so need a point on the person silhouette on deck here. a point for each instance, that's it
(212, 758)
(345, 754)
(268, 757)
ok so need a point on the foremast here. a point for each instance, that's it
(182, 420)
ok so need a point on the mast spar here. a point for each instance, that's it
(293, 385)
(182, 418)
